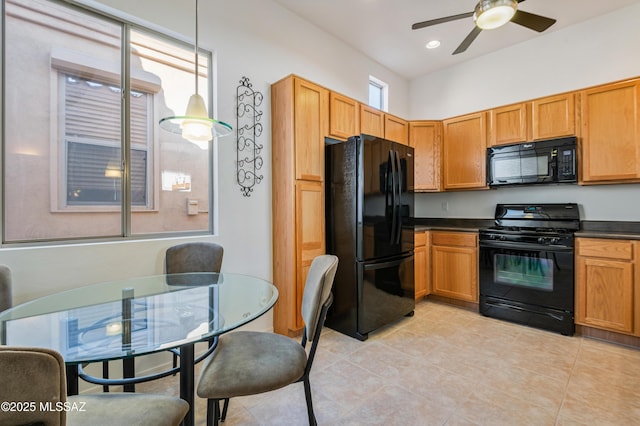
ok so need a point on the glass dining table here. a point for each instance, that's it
(123, 319)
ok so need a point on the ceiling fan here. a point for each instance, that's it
(490, 14)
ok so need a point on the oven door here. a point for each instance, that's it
(528, 273)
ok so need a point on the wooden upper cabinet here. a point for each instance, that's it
(371, 121)
(426, 139)
(396, 129)
(311, 107)
(611, 132)
(464, 149)
(344, 116)
(553, 116)
(509, 124)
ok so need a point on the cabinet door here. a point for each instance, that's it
(611, 132)
(310, 237)
(421, 264)
(371, 121)
(425, 138)
(396, 129)
(344, 116)
(455, 272)
(604, 294)
(310, 127)
(509, 124)
(465, 152)
(553, 116)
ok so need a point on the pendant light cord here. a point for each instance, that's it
(196, 48)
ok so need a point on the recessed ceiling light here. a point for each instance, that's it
(433, 44)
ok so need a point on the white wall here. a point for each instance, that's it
(253, 38)
(598, 51)
(602, 50)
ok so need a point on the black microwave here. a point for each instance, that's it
(549, 161)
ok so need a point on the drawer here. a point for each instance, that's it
(458, 239)
(605, 248)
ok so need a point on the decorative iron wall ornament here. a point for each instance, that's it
(248, 129)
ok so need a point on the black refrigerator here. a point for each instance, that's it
(369, 206)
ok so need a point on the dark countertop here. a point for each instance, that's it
(609, 229)
(458, 225)
(588, 228)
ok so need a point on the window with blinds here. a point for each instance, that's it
(92, 129)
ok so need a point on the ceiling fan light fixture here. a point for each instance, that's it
(491, 14)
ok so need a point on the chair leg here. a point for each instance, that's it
(213, 412)
(307, 395)
(105, 375)
(224, 410)
(175, 362)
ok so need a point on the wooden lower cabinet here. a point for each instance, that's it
(607, 285)
(422, 264)
(454, 263)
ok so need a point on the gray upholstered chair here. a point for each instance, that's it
(194, 257)
(249, 362)
(37, 375)
(6, 297)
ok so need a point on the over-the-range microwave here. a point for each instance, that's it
(543, 162)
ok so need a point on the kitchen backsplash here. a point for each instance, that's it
(601, 202)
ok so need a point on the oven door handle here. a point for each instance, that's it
(521, 309)
(524, 246)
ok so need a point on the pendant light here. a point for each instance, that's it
(195, 125)
(491, 14)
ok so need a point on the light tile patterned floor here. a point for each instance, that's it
(449, 366)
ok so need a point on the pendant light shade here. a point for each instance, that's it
(491, 14)
(196, 126)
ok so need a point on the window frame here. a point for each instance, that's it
(384, 93)
(128, 25)
(60, 144)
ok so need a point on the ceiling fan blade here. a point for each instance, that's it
(423, 24)
(467, 41)
(533, 22)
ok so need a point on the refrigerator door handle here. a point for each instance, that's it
(399, 199)
(394, 202)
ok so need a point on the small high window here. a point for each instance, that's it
(378, 93)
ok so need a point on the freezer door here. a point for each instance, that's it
(385, 292)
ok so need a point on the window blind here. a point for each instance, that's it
(93, 133)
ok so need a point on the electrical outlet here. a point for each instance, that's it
(445, 206)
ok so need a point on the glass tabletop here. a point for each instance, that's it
(137, 316)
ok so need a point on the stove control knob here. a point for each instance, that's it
(542, 240)
(503, 237)
(554, 240)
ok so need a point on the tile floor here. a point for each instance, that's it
(449, 366)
